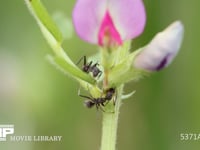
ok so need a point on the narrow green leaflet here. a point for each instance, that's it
(41, 15)
(70, 70)
(54, 38)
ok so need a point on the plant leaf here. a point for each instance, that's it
(54, 38)
(68, 69)
(42, 17)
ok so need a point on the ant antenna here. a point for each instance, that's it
(82, 58)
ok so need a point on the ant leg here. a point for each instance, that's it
(115, 98)
(89, 65)
(106, 103)
(104, 106)
(100, 73)
(82, 95)
(93, 66)
(101, 108)
(96, 64)
(85, 97)
(82, 58)
(90, 98)
(97, 106)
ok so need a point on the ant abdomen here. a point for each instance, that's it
(89, 103)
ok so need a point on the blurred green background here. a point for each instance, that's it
(39, 100)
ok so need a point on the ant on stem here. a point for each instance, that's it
(100, 101)
(90, 67)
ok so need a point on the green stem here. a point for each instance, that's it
(110, 123)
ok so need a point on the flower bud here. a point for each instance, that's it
(160, 52)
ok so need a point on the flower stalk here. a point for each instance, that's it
(110, 59)
(110, 124)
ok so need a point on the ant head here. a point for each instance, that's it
(89, 103)
(86, 68)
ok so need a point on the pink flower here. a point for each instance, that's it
(163, 48)
(109, 22)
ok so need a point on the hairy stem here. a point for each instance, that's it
(110, 123)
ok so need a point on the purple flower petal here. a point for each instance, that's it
(128, 16)
(162, 49)
(127, 19)
(163, 63)
(108, 35)
(87, 18)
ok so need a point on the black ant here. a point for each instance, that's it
(91, 101)
(89, 67)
